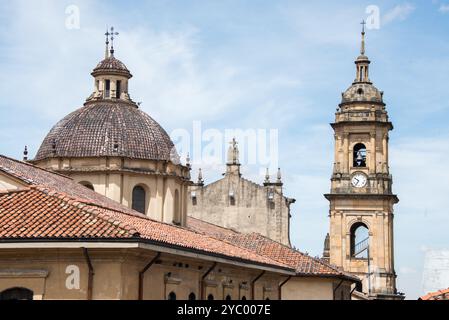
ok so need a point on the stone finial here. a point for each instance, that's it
(233, 152)
(188, 160)
(200, 177)
(279, 176)
(267, 176)
(326, 251)
(25, 154)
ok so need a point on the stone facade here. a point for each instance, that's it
(236, 203)
(361, 196)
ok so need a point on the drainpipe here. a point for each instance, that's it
(336, 288)
(90, 278)
(142, 274)
(202, 280)
(281, 285)
(253, 284)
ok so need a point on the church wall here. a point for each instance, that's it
(314, 288)
(250, 212)
(116, 275)
(8, 183)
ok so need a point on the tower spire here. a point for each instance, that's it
(362, 49)
(362, 61)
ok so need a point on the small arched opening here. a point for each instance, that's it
(16, 294)
(87, 185)
(210, 297)
(228, 298)
(139, 199)
(359, 240)
(192, 296)
(359, 155)
(244, 298)
(172, 296)
(177, 208)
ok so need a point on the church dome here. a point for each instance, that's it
(362, 92)
(111, 65)
(107, 129)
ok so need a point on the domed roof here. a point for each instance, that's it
(108, 129)
(362, 92)
(111, 64)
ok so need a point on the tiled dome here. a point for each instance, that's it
(362, 92)
(108, 129)
(111, 65)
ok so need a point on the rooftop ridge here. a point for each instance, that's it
(33, 165)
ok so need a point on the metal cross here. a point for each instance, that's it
(107, 34)
(112, 34)
(363, 23)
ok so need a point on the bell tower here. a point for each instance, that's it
(361, 197)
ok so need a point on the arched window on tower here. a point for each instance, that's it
(139, 199)
(192, 296)
(210, 297)
(16, 294)
(118, 89)
(172, 296)
(107, 90)
(176, 208)
(359, 240)
(87, 185)
(359, 155)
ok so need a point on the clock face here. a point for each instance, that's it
(359, 180)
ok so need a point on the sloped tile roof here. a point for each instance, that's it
(33, 175)
(438, 295)
(302, 263)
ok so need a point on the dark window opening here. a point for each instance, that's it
(210, 297)
(192, 297)
(16, 294)
(359, 241)
(139, 199)
(172, 296)
(118, 90)
(359, 155)
(88, 185)
(177, 209)
(228, 298)
(244, 298)
(107, 89)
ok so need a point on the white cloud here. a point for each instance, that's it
(400, 13)
(444, 8)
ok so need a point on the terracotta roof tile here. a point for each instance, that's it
(438, 295)
(302, 263)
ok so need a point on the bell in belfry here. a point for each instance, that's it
(359, 159)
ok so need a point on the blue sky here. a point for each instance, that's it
(247, 64)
